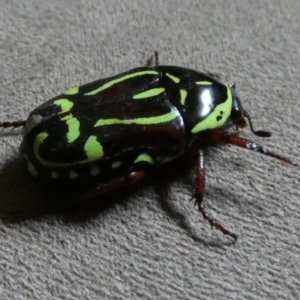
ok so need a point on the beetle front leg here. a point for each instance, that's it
(233, 139)
(114, 184)
(199, 191)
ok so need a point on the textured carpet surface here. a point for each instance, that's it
(151, 243)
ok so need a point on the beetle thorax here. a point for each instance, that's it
(208, 106)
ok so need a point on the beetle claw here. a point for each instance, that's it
(198, 202)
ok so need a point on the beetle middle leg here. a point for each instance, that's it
(114, 184)
(199, 190)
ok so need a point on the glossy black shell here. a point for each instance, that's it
(122, 143)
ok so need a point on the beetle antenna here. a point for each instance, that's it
(260, 133)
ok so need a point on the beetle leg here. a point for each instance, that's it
(114, 184)
(228, 138)
(232, 85)
(153, 60)
(199, 191)
(213, 75)
(13, 125)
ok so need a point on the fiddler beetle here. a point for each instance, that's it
(118, 128)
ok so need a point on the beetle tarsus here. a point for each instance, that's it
(156, 57)
(216, 225)
(153, 60)
(12, 125)
(198, 201)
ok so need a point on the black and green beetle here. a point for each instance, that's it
(118, 128)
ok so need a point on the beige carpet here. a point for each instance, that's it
(151, 243)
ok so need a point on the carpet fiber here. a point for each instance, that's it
(151, 243)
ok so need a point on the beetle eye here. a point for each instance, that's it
(237, 111)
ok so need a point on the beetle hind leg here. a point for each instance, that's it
(153, 61)
(13, 124)
(199, 191)
(198, 201)
(105, 188)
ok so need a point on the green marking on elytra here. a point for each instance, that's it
(93, 149)
(218, 117)
(72, 91)
(39, 140)
(183, 95)
(115, 81)
(95, 170)
(30, 167)
(174, 78)
(73, 128)
(165, 159)
(149, 93)
(65, 104)
(54, 175)
(116, 164)
(73, 174)
(33, 120)
(204, 83)
(140, 121)
(145, 157)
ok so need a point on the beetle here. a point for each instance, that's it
(118, 128)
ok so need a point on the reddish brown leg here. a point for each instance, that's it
(199, 191)
(114, 184)
(225, 137)
(13, 125)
